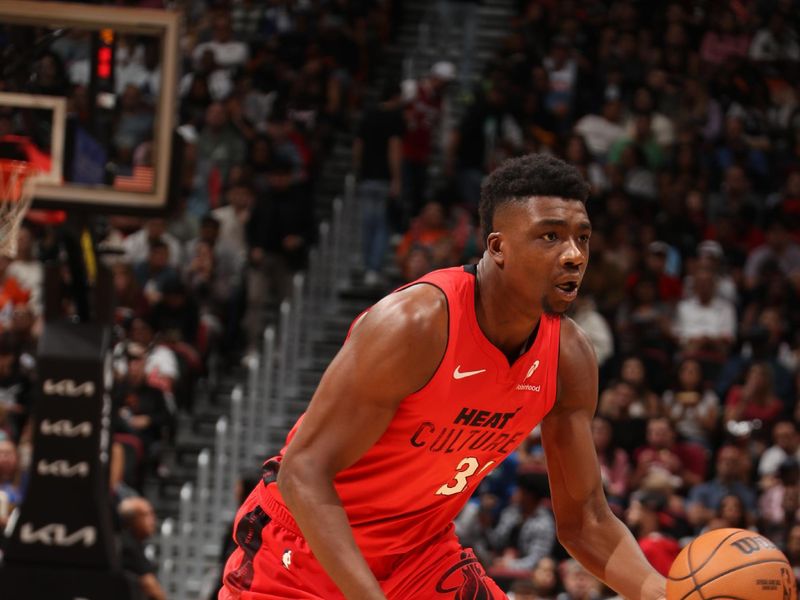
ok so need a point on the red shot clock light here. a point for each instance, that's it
(105, 54)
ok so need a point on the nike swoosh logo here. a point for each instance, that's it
(462, 374)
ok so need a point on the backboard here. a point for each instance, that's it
(90, 92)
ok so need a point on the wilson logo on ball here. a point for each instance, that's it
(749, 545)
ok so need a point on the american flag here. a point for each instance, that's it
(141, 180)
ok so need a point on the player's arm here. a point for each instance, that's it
(392, 352)
(586, 526)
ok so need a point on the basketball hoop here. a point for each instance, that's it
(15, 199)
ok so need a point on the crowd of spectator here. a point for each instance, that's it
(685, 119)
(265, 87)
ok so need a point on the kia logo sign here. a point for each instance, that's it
(68, 388)
(65, 428)
(55, 534)
(62, 468)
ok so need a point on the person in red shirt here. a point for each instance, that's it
(755, 399)
(11, 294)
(435, 385)
(669, 287)
(647, 516)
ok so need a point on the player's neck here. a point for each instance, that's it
(502, 325)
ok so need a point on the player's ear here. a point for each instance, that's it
(495, 245)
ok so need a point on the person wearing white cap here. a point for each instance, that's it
(711, 255)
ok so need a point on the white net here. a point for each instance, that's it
(15, 199)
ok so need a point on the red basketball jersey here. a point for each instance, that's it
(447, 437)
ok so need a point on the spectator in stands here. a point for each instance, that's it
(141, 409)
(663, 453)
(577, 153)
(705, 498)
(139, 65)
(602, 131)
(11, 491)
(138, 525)
(377, 160)
(634, 372)
(429, 231)
(134, 125)
(153, 273)
(643, 322)
(562, 75)
(627, 414)
(778, 249)
(792, 548)
(755, 399)
(526, 531)
(161, 364)
(705, 323)
(735, 197)
(15, 387)
(778, 506)
(219, 148)
(775, 43)
(423, 106)
(26, 269)
(710, 255)
(693, 409)
(11, 294)
(130, 301)
(605, 281)
(233, 217)
(642, 142)
(228, 52)
(486, 135)
(279, 233)
(648, 519)
(724, 39)
(785, 446)
(545, 579)
(137, 245)
(730, 514)
(579, 584)
(418, 262)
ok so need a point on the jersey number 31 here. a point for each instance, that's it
(465, 469)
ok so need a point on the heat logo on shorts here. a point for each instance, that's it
(466, 579)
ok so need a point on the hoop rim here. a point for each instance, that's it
(21, 170)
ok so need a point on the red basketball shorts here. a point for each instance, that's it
(273, 563)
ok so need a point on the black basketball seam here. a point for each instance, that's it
(708, 558)
(692, 572)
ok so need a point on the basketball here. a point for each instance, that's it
(734, 564)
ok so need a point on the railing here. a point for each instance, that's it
(261, 410)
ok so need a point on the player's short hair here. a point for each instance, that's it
(519, 179)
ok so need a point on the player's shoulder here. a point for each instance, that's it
(575, 345)
(417, 311)
(577, 367)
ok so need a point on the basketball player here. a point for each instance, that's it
(436, 384)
